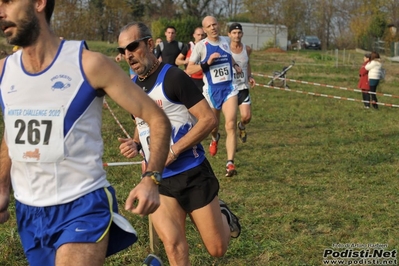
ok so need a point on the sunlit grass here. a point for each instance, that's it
(315, 171)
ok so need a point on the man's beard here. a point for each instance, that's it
(28, 30)
(143, 63)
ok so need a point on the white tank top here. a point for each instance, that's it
(182, 122)
(219, 74)
(53, 129)
(241, 80)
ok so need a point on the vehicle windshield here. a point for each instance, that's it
(312, 39)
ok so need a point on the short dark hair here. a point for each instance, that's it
(49, 9)
(170, 27)
(143, 29)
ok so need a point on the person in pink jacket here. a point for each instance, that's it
(364, 81)
(374, 68)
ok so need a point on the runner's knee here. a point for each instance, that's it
(217, 249)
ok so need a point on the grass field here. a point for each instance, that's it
(315, 172)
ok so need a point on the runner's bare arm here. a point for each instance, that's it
(5, 182)
(249, 69)
(103, 73)
(192, 68)
(130, 147)
(180, 60)
(235, 65)
(5, 179)
(206, 121)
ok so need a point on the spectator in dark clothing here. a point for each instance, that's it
(170, 48)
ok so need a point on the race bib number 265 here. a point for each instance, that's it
(220, 73)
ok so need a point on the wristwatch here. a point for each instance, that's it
(155, 176)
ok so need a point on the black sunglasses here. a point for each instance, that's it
(131, 47)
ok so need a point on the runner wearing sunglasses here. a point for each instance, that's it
(189, 185)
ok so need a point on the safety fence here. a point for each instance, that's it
(115, 118)
(326, 86)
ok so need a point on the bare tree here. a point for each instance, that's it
(325, 14)
(392, 9)
(268, 12)
(69, 16)
(195, 8)
(232, 7)
(335, 22)
(292, 13)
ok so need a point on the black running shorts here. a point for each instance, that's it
(194, 188)
(199, 83)
(243, 97)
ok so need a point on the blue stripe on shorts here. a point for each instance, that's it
(217, 95)
(85, 220)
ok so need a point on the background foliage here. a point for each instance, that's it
(338, 23)
(184, 27)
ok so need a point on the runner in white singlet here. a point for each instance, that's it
(217, 63)
(51, 95)
(244, 80)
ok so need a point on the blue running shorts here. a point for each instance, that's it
(85, 220)
(217, 95)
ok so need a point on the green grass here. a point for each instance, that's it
(315, 171)
(102, 47)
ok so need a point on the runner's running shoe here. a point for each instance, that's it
(235, 227)
(242, 133)
(230, 170)
(152, 260)
(213, 148)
